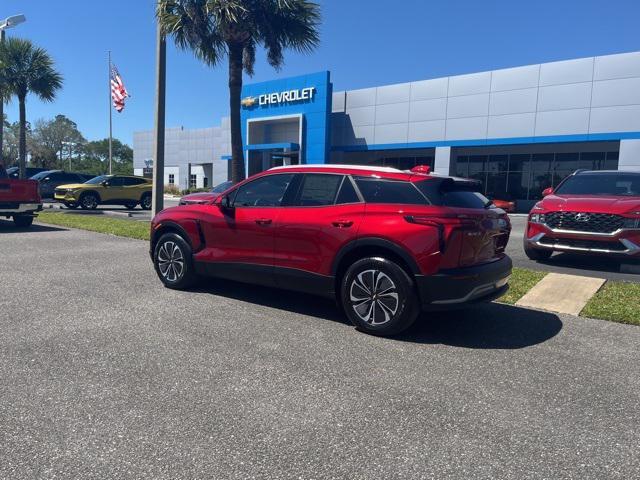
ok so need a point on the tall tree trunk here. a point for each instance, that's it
(22, 148)
(235, 89)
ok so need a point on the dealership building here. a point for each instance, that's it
(518, 130)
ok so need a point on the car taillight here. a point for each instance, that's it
(445, 224)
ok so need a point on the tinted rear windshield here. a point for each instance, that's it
(616, 184)
(448, 192)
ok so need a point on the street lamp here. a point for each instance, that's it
(7, 23)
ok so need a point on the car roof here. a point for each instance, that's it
(362, 170)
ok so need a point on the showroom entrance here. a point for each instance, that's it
(273, 142)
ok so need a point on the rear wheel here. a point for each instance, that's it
(145, 201)
(22, 221)
(89, 201)
(379, 297)
(173, 262)
(537, 254)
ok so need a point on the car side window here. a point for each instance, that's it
(318, 189)
(375, 190)
(347, 193)
(129, 181)
(116, 182)
(267, 191)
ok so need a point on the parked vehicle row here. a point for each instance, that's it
(384, 243)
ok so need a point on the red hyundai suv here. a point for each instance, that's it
(590, 212)
(384, 242)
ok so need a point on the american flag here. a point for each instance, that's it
(118, 91)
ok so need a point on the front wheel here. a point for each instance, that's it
(89, 201)
(379, 297)
(145, 201)
(22, 221)
(173, 262)
(71, 206)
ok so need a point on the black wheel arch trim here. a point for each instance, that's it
(375, 242)
(168, 226)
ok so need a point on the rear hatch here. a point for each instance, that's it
(14, 192)
(473, 230)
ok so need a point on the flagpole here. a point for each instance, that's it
(110, 117)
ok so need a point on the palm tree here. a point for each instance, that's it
(215, 29)
(24, 69)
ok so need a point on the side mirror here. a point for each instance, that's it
(547, 191)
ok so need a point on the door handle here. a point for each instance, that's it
(342, 223)
(263, 221)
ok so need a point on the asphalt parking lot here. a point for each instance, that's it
(106, 374)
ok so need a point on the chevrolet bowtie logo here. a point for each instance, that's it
(249, 101)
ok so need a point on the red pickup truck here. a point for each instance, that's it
(19, 199)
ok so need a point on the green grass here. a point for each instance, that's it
(95, 223)
(521, 281)
(617, 302)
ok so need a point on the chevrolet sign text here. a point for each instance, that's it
(287, 96)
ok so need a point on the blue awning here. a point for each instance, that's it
(294, 147)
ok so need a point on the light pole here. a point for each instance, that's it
(158, 162)
(7, 23)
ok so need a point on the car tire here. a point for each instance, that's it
(131, 206)
(71, 206)
(89, 201)
(537, 254)
(173, 262)
(145, 201)
(379, 296)
(22, 221)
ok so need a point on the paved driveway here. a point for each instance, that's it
(106, 374)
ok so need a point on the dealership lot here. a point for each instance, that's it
(106, 374)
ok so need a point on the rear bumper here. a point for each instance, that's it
(19, 208)
(463, 286)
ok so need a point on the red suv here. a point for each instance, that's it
(592, 212)
(384, 242)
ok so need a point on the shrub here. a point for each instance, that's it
(172, 189)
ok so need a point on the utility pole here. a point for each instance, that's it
(158, 161)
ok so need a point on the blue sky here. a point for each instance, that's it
(364, 43)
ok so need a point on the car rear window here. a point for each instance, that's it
(376, 190)
(448, 192)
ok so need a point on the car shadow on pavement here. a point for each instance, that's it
(7, 226)
(483, 326)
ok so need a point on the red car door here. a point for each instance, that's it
(243, 233)
(325, 216)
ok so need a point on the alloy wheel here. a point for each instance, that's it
(374, 297)
(170, 261)
(89, 201)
